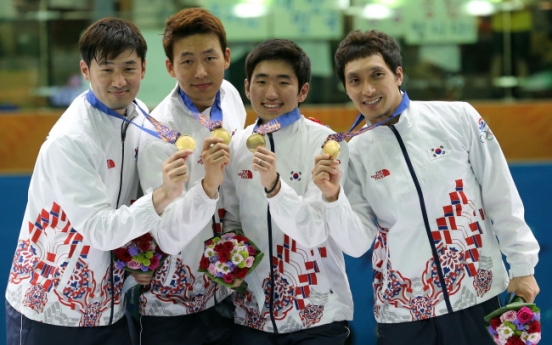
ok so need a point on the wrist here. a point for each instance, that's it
(332, 197)
(160, 200)
(274, 185)
(209, 188)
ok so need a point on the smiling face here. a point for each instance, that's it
(274, 89)
(373, 87)
(198, 65)
(116, 81)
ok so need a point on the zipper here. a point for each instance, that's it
(426, 221)
(271, 253)
(124, 127)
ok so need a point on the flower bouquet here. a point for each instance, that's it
(228, 258)
(141, 255)
(518, 323)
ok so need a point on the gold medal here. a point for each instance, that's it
(223, 134)
(185, 142)
(332, 148)
(255, 140)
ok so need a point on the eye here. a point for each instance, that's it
(211, 58)
(186, 62)
(353, 81)
(378, 74)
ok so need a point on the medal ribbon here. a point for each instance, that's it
(163, 132)
(280, 122)
(339, 137)
(216, 111)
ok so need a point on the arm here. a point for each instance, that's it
(502, 203)
(350, 219)
(71, 165)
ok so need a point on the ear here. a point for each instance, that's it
(227, 58)
(246, 85)
(143, 68)
(170, 67)
(303, 93)
(84, 70)
(399, 76)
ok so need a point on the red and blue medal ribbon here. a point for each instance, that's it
(162, 132)
(278, 123)
(339, 137)
(216, 111)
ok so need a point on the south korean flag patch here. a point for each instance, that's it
(438, 151)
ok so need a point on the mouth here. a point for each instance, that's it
(372, 102)
(272, 107)
(118, 93)
(202, 86)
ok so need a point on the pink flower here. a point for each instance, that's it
(212, 269)
(249, 261)
(133, 265)
(251, 251)
(510, 315)
(525, 315)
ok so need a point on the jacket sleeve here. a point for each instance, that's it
(186, 216)
(71, 166)
(301, 217)
(350, 219)
(184, 219)
(501, 199)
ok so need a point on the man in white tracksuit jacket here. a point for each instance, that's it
(432, 187)
(63, 285)
(177, 307)
(299, 293)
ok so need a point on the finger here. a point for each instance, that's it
(210, 142)
(181, 154)
(322, 157)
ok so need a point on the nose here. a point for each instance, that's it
(118, 80)
(368, 88)
(271, 92)
(200, 72)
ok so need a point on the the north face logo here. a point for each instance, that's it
(381, 174)
(246, 174)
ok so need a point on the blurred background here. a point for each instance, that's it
(495, 54)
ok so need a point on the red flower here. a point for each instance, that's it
(224, 256)
(123, 254)
(146, 237)
(241, 239)
(228, 246)
(204, 263)
(515, 340)
(158, 250)
(241, 272)
(218, 247)
(251, 251)
(534, 327)
(208, 243)
(228, 278)
(495, 322)
(144, 246)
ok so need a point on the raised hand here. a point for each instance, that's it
(175, 174)
(215, 156)
(264, 161)
(326, 176)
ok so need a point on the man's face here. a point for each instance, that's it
(116, 82)
(373, 87)
(198, 65)
(274, 89)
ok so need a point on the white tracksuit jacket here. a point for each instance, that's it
(311, 286)
(177, 287)
(434, 184)
(80, 207)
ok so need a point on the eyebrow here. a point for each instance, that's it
(264, 75)
(128, 62)
(207, 51)
(372, 69)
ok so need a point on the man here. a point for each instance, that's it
(63, 285)
(178, 307)
(299, 292)
(431, 185)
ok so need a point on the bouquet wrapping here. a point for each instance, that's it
(141, 255)
(518, 323)
(228, 258)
